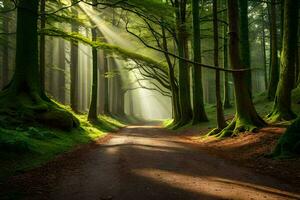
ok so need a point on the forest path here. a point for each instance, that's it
(145, 163)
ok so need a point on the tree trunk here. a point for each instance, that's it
(25, 91)
(263, 41)
(184, 82)
(274, 67)
(220, 113)
(62, 68)
(106, 87)
(244, 40)
(42, 44)
(226, 101)
(172, 80)
(5, 48)
(282, 104)
(74, 90)
(199, 114)
(92, 115)
(246, 117)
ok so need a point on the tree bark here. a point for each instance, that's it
(199, 114)
(282, 104)
(25, 90)
(226, 101)
(220, 113)
(5, 48)
(246, 117)
(42, 44)
(244, 40)
(274, 67)
(92, 115)
(184, 80)
(74, 90)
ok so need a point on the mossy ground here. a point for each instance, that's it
(28, 146)
(262, 105)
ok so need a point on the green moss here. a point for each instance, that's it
(288, 145)
(30, 145)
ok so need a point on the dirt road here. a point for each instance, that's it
(146, 163)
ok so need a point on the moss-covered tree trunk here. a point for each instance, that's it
(282, 103)
(92, 115)
(288, 145)
(274, 66)
(184, 75)
(220, 113)
(246, 117)
(244, 40)
(199, 114)
(24, 99)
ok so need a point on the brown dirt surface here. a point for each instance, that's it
(145, 163)
(249, 150)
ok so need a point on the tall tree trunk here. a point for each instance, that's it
(226, 101)
(289, 143)
(263, 41)
(274, 67)
(5, 47)
(172, 79)
(42, 44)
(106, 86)
(92, 115)
(184, 80)
(62, 68)
(199, 114)
(220, 113)
(74, 90)
(282, 103)
(244, 40)
(245, 119)
(25, 91)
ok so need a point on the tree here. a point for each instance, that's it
(92, 115)
(199, 114)
(282, 104)
(74, 67)
(274, 67)
(24, 100)
(220, 113)
(183, 77)
(244, 40)
(226, 101)
(42, 44)
(246, 117)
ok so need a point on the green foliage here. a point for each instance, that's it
(28, 146)
(122, 53)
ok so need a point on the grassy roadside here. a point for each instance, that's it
(26, 147)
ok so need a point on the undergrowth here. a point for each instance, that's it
(25, 146)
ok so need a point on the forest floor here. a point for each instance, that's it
(150, 162)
